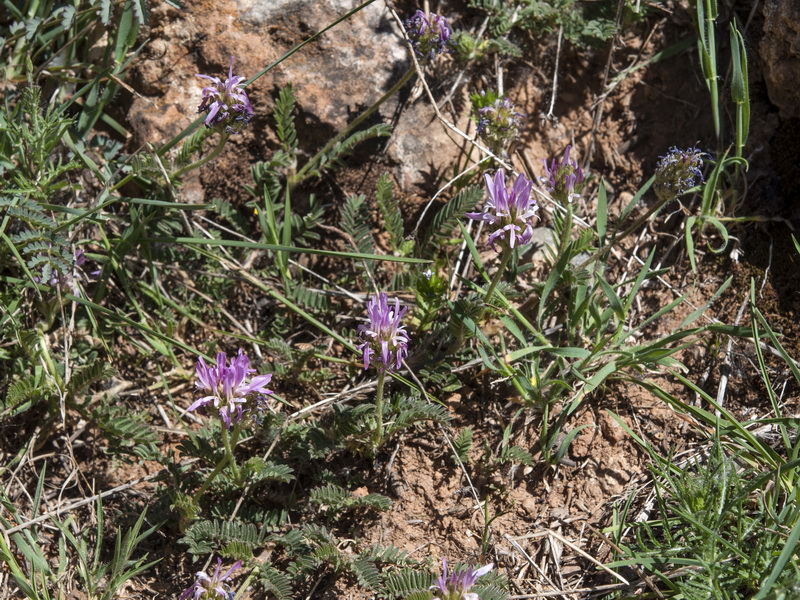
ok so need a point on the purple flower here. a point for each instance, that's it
(457, 585)
(678, 171)
(214, 587)
(384, 339)
(230, 391)
(564, 180)
(226, 103)
(429, 34)
(510, 212)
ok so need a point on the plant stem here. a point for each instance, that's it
(377, 437)
(711, 77)
(503, 264)
(566, 230)
(228, 458)
(220, 465)
(230, 444)
(223, 137)
(303, 173)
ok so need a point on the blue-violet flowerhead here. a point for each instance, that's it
(456, 586)
(499, 124)
(231, 391)
(226, 103)
(384, 339)
(565, 179)
(678, 171)
(511, 213)
(214, 587)
(429, 34)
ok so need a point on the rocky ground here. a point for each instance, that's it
(621, 104)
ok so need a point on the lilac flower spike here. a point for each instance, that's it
(226, 103)
(230, 392)
(565, 179)
(384, 339)
(429, 34)
(510, 212)
(457, 585)
(214, 587)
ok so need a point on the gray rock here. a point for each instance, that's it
(350, 66)
(354, 64)
(335, 78)
(780, 53)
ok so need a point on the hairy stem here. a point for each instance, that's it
(229, 444)
(490, 292)
(223, 137)
(566, 230)
(377, 437)
(220, 465)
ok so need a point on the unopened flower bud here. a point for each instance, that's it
(499, 124)
(565, 179)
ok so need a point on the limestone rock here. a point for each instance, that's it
(334, 78)
(349, 67)
(780, 53)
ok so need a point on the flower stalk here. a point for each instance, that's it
(384, 342)
(496, 279)
(229, 442)
(377, 437)
(223, 137)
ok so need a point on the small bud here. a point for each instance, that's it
(499, 124)
(565, 179)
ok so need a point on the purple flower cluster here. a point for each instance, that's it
(456, 586)
(678, 171)
(511, 213)
(226, 103)
(565, 179)
(429, 34)
(214, 587)
(384, 339)
(230, 392)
